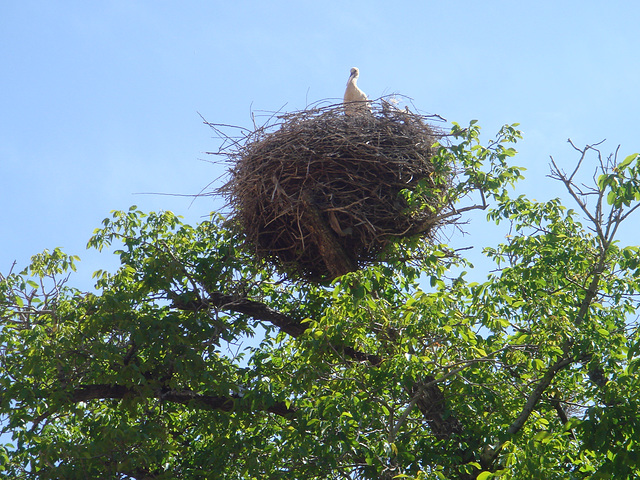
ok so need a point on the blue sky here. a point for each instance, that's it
(100, 100)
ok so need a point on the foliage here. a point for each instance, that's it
(402, 369)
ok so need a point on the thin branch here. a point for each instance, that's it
(583, 153)
(559, 175)
(631, 210)
(104, 391)
(438, 219)
(262, 312)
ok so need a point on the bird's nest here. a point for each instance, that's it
(321, 193)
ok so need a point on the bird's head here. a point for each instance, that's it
(355, 72)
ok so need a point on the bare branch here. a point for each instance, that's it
(631, 210)
(558, 174)
(583, 153)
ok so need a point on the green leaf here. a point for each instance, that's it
(627, 161)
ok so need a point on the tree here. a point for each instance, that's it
(403, 368)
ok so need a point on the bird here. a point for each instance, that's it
(354, 94)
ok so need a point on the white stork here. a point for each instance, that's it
(354, 94)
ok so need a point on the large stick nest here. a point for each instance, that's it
(321, 193)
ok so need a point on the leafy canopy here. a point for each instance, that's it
(403, 369)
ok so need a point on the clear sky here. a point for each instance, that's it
(99, 101)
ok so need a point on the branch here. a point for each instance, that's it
(560, 175)
(431, 402)
(557, 404)
(255, 309)
(422, 227)
(583, 153)
(262, 312)
(626, 214)
(537, 394)
(184, 397)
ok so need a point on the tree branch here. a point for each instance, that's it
(262, 312)
(558, 174)
(255, 309)
(84, 393)
(489, 453)
(535, 396)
